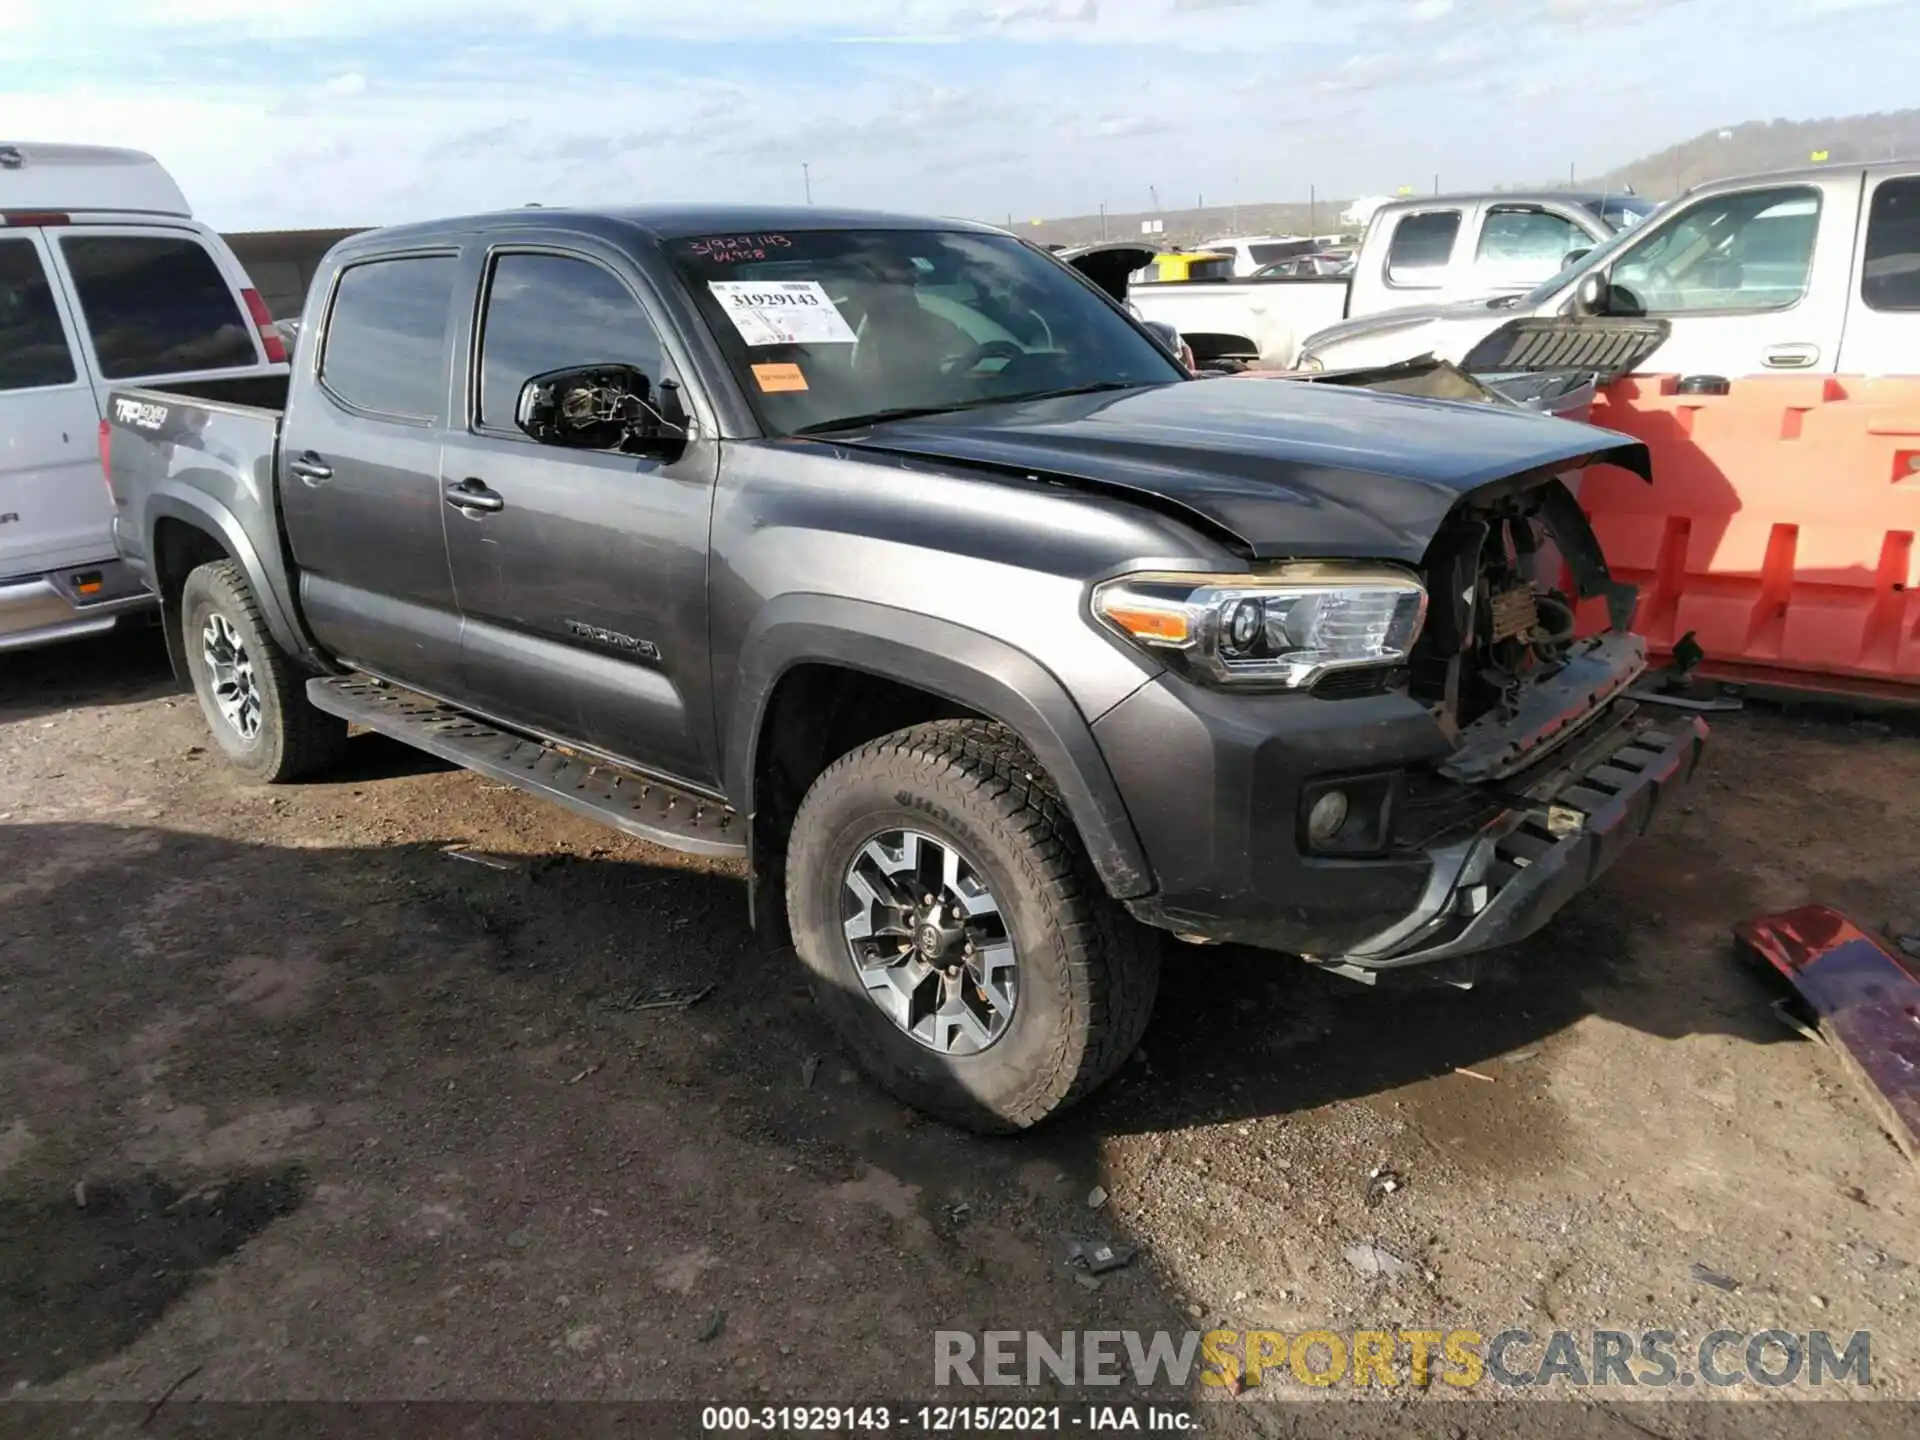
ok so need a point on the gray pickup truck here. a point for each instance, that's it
(894, 558)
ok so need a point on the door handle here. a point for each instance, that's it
(310, 468)
(1790, 357)
(472, 497)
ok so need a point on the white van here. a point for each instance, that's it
(105, 279)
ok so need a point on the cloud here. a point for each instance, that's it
(290, 112)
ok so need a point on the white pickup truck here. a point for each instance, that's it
(1813, 270)
(1416, 252)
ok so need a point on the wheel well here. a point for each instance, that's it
(816, 714)
(178, 550)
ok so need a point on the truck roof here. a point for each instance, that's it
(1519, 197)
(1874, 168)
(37, 176)
(662, 222)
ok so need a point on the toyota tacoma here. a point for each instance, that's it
(895, 560)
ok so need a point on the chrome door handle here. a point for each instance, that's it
(310, 468)
(1790, 357)
(472, 497)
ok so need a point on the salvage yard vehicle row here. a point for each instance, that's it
(1812, 271)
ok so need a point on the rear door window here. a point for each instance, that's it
(386, 341)
(1890, 273)
(1422, 245)
(156, 305)
(34, 353)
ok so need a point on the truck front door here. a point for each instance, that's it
(581, 575)
(1754, 281)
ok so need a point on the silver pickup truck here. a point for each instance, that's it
(1430, 251)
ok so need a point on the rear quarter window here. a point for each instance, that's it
(33, 344)
(1421, 245)
(156, 305)
(386, 340)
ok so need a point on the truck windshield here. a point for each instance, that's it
(826, 328)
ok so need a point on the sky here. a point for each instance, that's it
(284, 113)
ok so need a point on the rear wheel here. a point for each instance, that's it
(955, 933)
(250, 690)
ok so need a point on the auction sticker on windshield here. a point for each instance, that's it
(782, 312)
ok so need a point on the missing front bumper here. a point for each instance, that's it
(1567, 827)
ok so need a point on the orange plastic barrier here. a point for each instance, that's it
(1779, 528)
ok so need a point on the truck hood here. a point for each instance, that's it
(1277, 468)
(1385, 322)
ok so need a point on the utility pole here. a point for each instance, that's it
(1313, 210)
(1436, 182)
(806, 178)
(1571, 182)
(1156, 198)
(1103, 221)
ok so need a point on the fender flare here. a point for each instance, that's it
(965, 666)
(191, 508)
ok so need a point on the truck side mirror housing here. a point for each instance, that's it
(1593, 294)
(1168, 335)
(603, 407)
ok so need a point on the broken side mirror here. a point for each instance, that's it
(603, 407)
(1593, 294)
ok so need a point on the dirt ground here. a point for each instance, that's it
(297, 1104)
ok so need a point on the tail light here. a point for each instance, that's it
(270, 340)
(106, 460)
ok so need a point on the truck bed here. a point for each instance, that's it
(204, 454)
(1249, 320)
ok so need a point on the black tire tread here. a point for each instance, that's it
(1112, 973)
(310, 739)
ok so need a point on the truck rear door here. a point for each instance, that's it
(1407, 257)
(1883, 316)
(54, 510)
(360, 468)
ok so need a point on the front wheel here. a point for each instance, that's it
(955, 933)
(251, 692)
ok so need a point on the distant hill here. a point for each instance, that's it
(1761, 145)
(1756, 145)
(1187, 226)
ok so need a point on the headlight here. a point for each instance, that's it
(1284, 629)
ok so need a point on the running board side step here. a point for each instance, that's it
(639, 805)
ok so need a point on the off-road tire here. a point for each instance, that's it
(295, 739)
(1087, 971)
